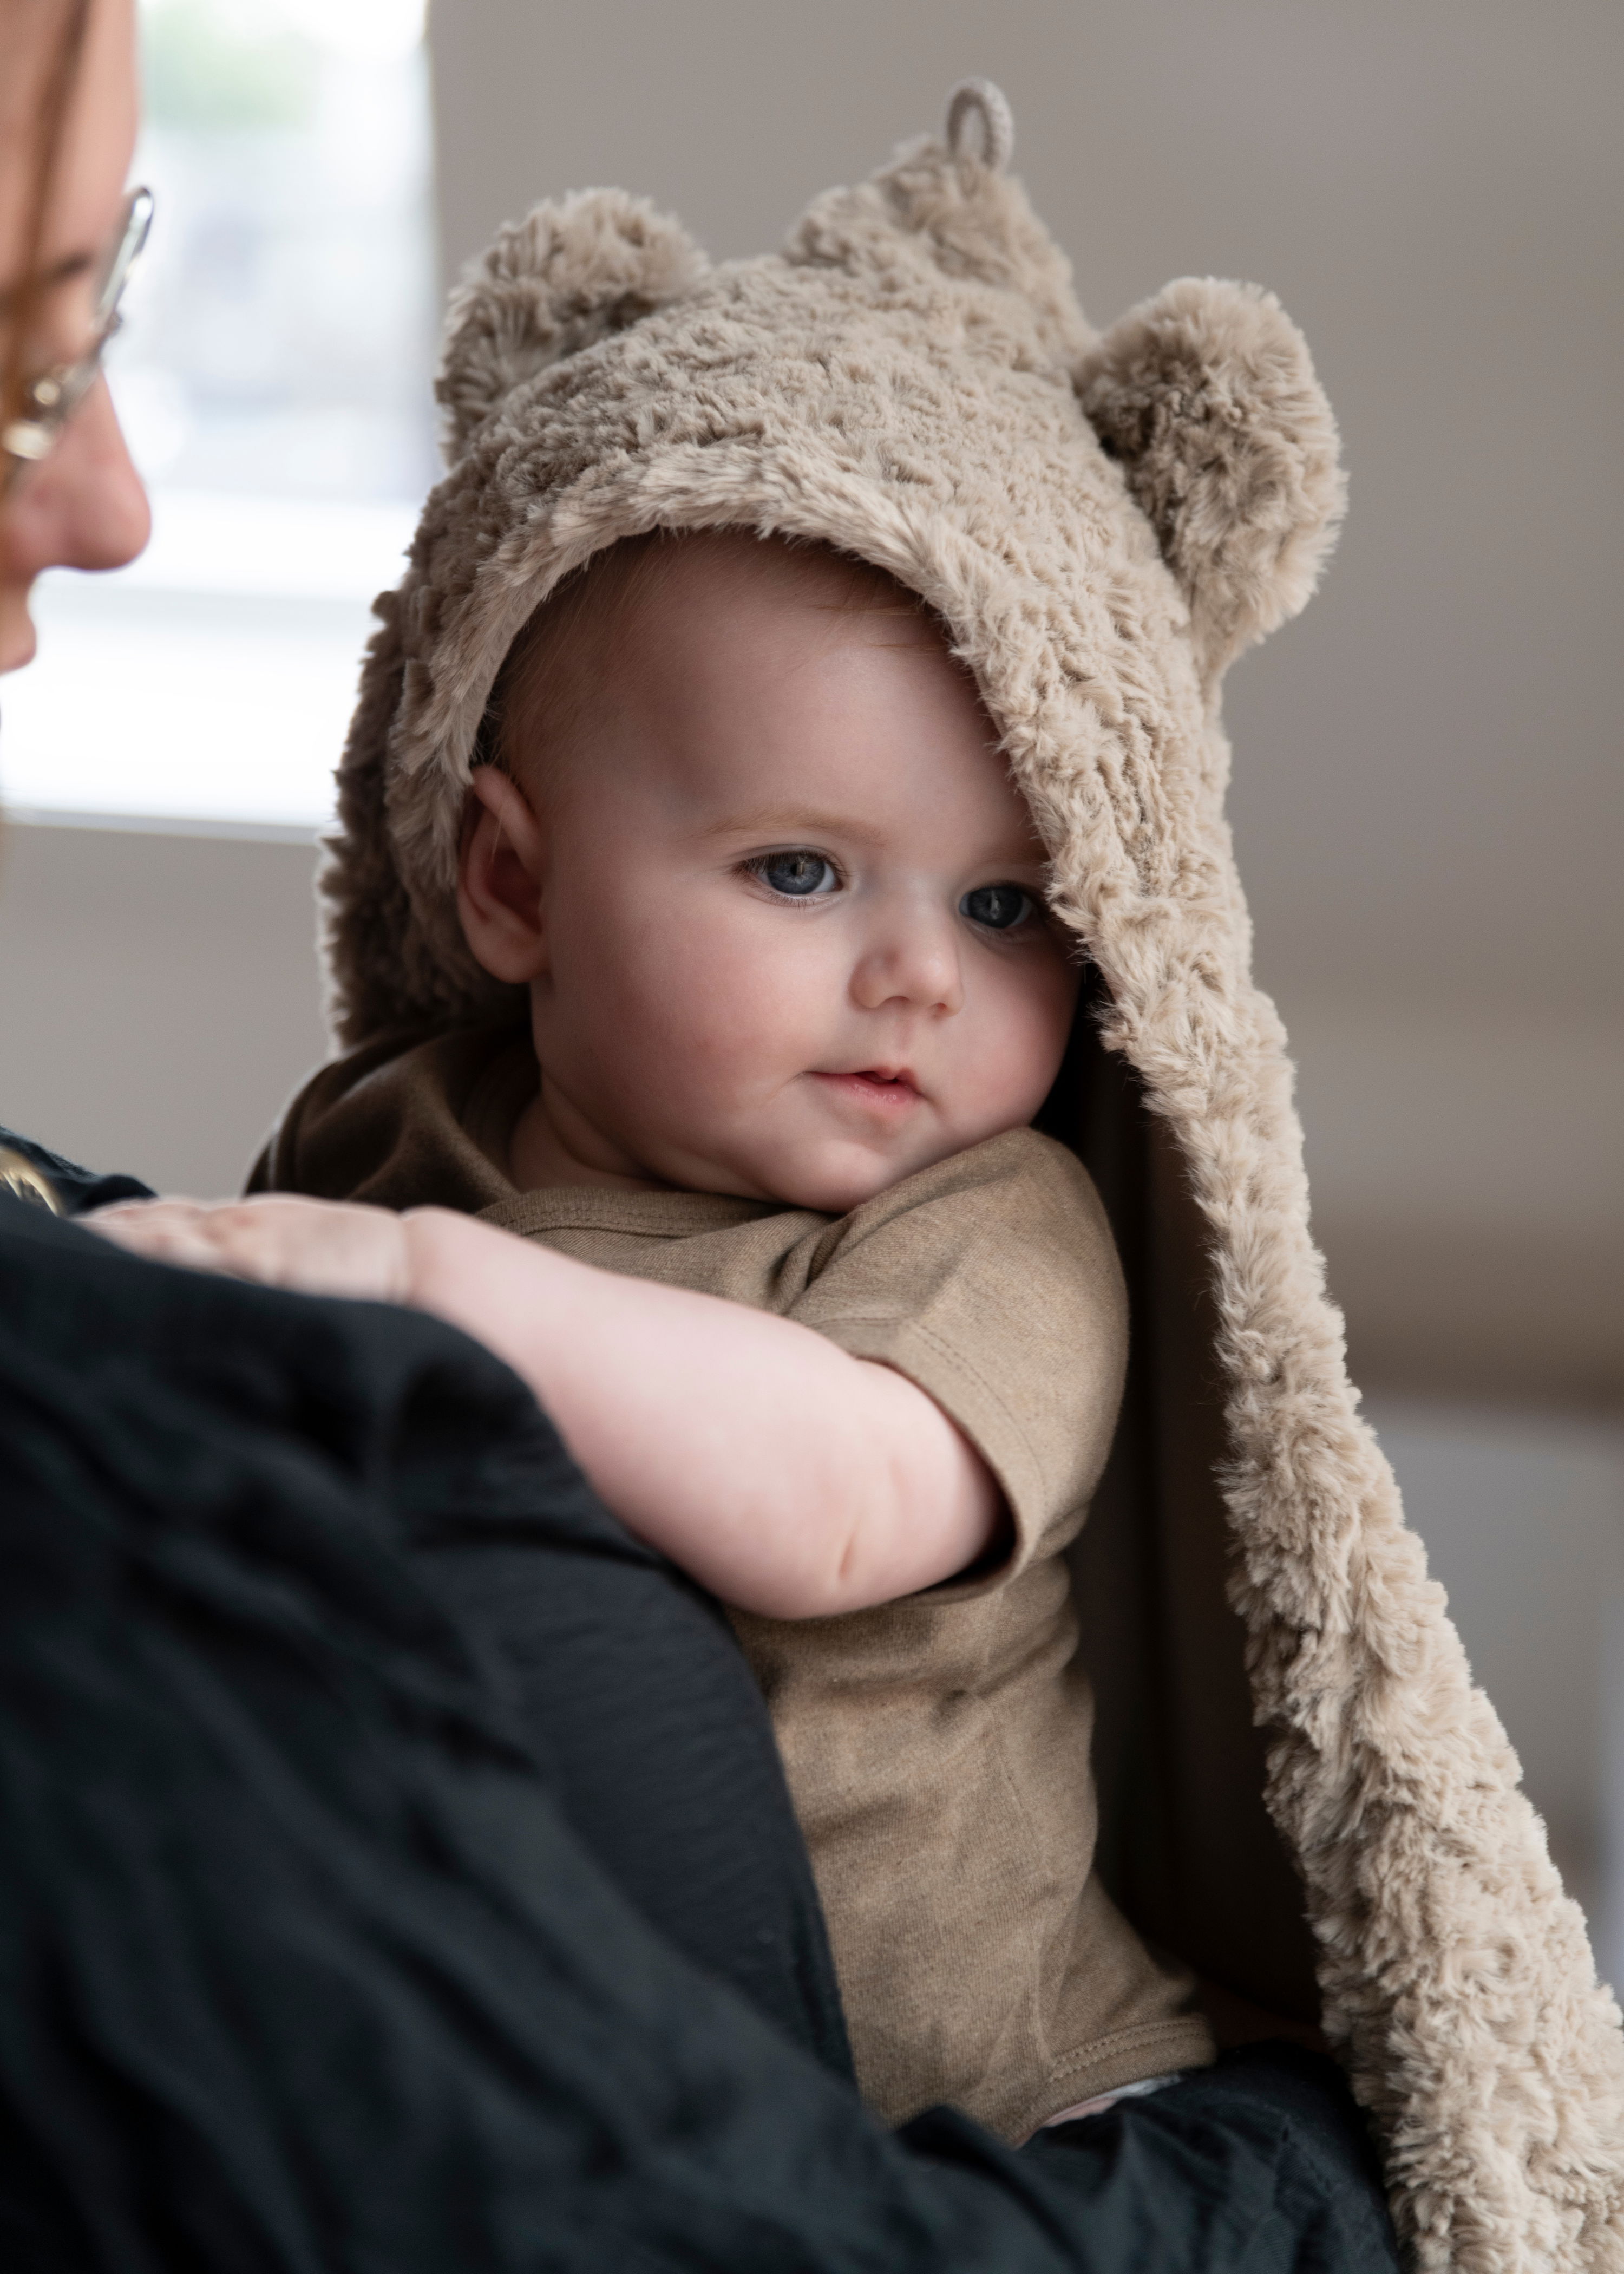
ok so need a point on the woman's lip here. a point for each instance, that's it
(889, 1091)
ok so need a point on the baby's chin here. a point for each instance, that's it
(831, 1177)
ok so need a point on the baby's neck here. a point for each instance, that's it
(552, 1145)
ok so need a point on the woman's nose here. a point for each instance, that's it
(913, 959)
(84, 505)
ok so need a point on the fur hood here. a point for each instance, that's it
(1104, 523)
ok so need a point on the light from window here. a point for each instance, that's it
(273, 381)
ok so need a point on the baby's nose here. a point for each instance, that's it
(915, 962)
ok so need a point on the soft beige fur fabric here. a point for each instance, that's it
(1104, 524)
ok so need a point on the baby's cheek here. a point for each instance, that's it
(749, 1010)
(1019, 1041)
(745, 1033)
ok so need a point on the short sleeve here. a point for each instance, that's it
(992, 1281)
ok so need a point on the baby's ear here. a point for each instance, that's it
(1207, 397)
(571, 272)
(499, 869)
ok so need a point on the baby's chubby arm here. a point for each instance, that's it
(791, 1479)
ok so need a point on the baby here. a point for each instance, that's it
(820, 1314)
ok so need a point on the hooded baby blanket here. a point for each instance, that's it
(1301, 1794)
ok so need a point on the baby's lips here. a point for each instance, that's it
(883, 1076)
(876, 1083)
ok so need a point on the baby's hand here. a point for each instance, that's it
(323, 1247)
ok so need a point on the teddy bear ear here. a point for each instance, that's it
(1207, 396)
(574, 270)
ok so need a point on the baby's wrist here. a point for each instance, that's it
(426, 1257)
(461, 1269)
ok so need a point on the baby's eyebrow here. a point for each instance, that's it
(786, 821)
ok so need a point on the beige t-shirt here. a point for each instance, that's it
(936, 1748)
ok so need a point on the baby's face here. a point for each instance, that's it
(793, 938)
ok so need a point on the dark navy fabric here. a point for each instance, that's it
(79, 1190)
(1262, 2161)
(396, 1871)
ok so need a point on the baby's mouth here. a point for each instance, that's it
(891, 1089)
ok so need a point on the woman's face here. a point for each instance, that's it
(83, 507)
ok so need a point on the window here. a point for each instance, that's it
(273, 379)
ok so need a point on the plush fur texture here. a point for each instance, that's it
(1207, 396)
(1104, 523)
(550, 284)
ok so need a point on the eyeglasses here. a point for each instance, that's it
(49, 401)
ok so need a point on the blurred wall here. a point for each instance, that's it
(1427, 797)
(160, 997)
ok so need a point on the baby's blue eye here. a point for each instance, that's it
(998, 907)
(798, 875)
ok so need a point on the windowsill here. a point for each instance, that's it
(161, 825)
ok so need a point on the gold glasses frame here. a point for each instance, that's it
(50, 400)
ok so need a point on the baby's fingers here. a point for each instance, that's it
(164, 1231)
(249, 1239)
(324, 1247)
(321, 1248)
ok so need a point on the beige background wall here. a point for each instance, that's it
(158, 996)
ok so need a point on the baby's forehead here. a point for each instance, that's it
(693, 579)
(750, 691)
(649, 618)
(714, 585)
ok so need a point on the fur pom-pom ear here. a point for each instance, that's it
(571, 271)
(1207, 397)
